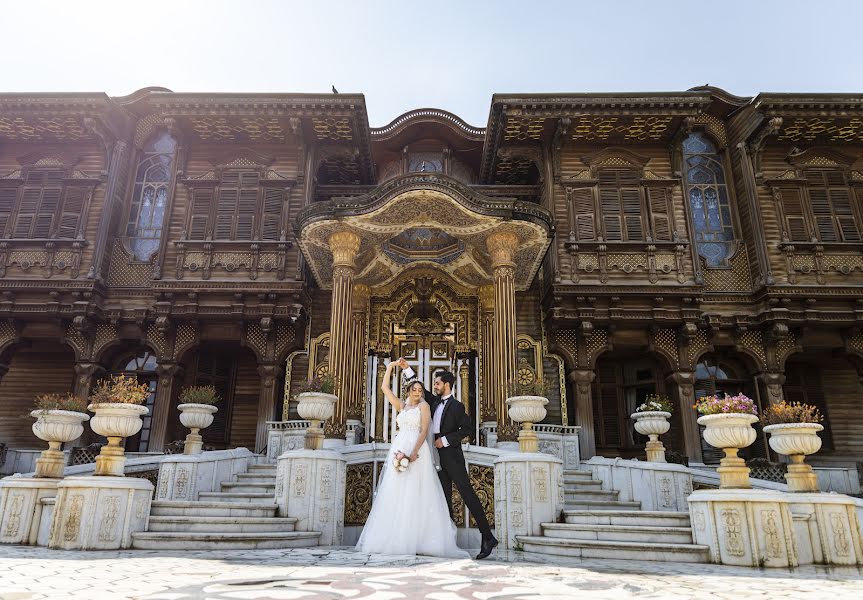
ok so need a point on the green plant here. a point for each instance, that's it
(199, 394)
(656, 402)
(795, 412)
(120, 389)
(325, 384)
(534, 387)
(517, 545)
(60, 402)
(716, 405)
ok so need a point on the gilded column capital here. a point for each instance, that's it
(502, 246)
(361, 295)
(344, 246)
(486, 297)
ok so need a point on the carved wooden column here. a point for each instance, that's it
(488, 410)
(167, 373)
(502, 247)
(344, 246)
(380, 402)
(358, 353)
(685, 381)
(270, 374)
(774, 382)
(583, 378)
(85, 372)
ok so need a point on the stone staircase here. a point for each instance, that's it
(598, 525)
(242, 516)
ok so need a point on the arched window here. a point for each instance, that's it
(142, 366)
(150, 197)
(708, 200)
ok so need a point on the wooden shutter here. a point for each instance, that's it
(620, 205)
(840, 198)
(199, 223)
(803, 384)
(792, 210)
(71, 213)
(272, 213)
(39, 204)
(7, 204)
(659, 213)
(606, 410)
(247, 206)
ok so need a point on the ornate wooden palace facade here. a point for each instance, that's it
(611, 245)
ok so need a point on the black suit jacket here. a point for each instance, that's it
(455, 424)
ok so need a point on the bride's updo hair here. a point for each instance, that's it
(409, 386)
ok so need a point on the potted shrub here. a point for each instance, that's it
(728, 425)
(651, 419)
(526, 402)
(117, 404)
(197, 410)
(793, 430)
(315, 403)
(59, 418)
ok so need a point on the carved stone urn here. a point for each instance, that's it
(797, 440)
(115, 421)
(730, 432)
(316, 407)
(55, 427)
(653, 423)
(196, 417)
(527, 410)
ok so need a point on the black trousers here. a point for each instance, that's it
(454, 471)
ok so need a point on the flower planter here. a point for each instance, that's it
(115, 421)
(315, 407)
(653, 423)
(55, 427)
(196, 417)
(730, 432)
(797, 440)
(527, 410)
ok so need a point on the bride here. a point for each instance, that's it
(409, 514)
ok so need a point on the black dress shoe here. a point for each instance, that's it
(485, 549)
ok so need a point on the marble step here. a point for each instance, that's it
(590, 495)
(237, 496)
(263, 467)
(586, 484)
(618, 533)
(627, 517)
(601, 505)
(252, 487)
(196, 540)
(637, 551)
(222, 524)
(576, 475)
(174, 508)
(257, 477)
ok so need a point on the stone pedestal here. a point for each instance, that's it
(184, 476)
(749, 528)
(528, 491)
(777, 529)
(657, 485)
(99, 513)
(827, 529)
(21, 507)
(310, 487)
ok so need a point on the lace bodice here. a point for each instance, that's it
(410, 419)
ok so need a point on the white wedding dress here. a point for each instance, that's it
(409, 513)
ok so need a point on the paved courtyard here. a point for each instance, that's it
(317, 573)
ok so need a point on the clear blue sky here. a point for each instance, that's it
(443, 53)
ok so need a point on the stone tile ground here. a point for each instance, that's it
(324, 573)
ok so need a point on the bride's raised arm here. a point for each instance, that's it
(385, 388)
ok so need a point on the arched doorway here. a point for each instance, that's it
(140, 364)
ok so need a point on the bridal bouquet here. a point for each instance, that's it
(401, 462)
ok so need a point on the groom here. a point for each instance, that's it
(450, 424)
